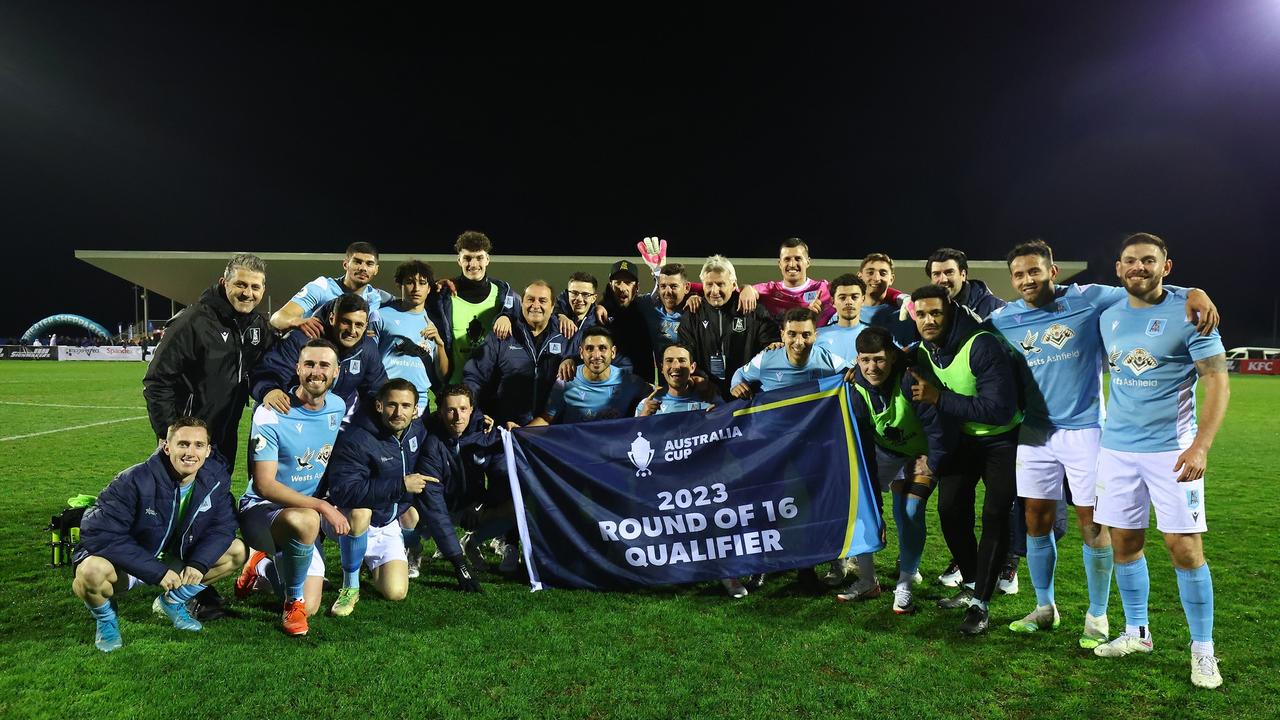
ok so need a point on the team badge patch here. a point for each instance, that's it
(355, 366)
(413, 444)
(810, 296)
(509, 302)
(739, 325)
(1193, 499)
(333, 421)
(1155, 327)
(1058, 335)
(255, 335)
(553, 348)
(1139, 361)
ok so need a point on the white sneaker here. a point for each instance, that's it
(734, 587)
(1009, 581)
(1204, 671)
(1044, 617)
(1096, 630)
(903, 603)
(864, 589)
(1125, 644)
(837, 574)
(510, 559)
(917, 578)
(952, 576)
(414, 559)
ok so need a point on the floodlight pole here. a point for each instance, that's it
(145, 313)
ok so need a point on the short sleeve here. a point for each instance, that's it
(310, 295)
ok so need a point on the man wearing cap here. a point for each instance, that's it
(625, 320)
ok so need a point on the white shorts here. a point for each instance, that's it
(1044, 456)
(255, 525)
(1130, 483)
(385, 544)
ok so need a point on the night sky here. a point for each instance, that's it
(303, 128)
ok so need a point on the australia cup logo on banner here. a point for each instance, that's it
(641, 455)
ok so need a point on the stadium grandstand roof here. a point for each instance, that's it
(182, 276)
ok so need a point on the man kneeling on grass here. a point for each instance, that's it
(169, 521)
(383, 465)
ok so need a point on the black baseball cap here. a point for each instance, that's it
(623, 267)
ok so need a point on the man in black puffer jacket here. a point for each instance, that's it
(201, 366)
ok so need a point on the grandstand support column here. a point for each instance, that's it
(145, 314)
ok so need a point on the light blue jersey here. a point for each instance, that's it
(581, 400)
(668, 403)
(323, 289)
(773, 370)
(664, 327)
(1152, 354)
(839, 341)
(300, 441)
(394, 327)
(885, 315)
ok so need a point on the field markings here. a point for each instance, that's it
(73, 427)
(86, 407)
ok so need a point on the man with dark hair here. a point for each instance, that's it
(722, 337)
(796, 289)
(1155, 449)
(410, 344)
(680, 390)
(185, 538)
(799, 359)
(882, 305)
(1056, 329)
(625, 317)
(359, 268)
(280, 511)
(362, 373)
(969, 375)
(839, 337)
(474, 451)
(201, 367)
(578, 301)
(383, 463)
(599, 390)
(470, 304)
(909, 439)
(949, 268)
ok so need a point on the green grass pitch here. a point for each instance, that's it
(669, 652)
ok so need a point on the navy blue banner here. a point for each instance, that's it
(692, 496)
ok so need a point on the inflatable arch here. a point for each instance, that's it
(83, 323)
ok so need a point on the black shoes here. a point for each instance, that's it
(960, 600)
(975, 621)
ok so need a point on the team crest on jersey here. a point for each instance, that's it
(259, 443)
(810, 296)
(255, 335)
(739, 325)
(333, 421)
(1155, 327)
(322, 457)
(509, 301)
(1028, 343)
(1058, 335)
(355, 366)
(553, 348)
(1139, 361)
(1193, 499)
(413, 444)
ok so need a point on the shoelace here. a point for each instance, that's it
(1206, 665)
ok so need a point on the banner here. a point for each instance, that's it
(27, 352)
(1259, 367)
(685, 497)
(104, 352)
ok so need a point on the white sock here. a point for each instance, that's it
(1202, 648)
(1137, 631)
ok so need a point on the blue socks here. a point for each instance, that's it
(352, 548)
(908, 514)
(1135, 585)
(1097, 573)
(102, 613)
(1042, 559)
(292, 566)
(183, 594)
(1195, 588)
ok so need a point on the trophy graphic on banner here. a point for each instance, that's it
(641, 455)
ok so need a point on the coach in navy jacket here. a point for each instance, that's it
(360, 372)
(513, 378)
(136, 518)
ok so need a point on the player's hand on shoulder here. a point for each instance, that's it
(502, 327)
(567, 327)
(277, 400)
(568, 368)
(311, 327)
(748, 296)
